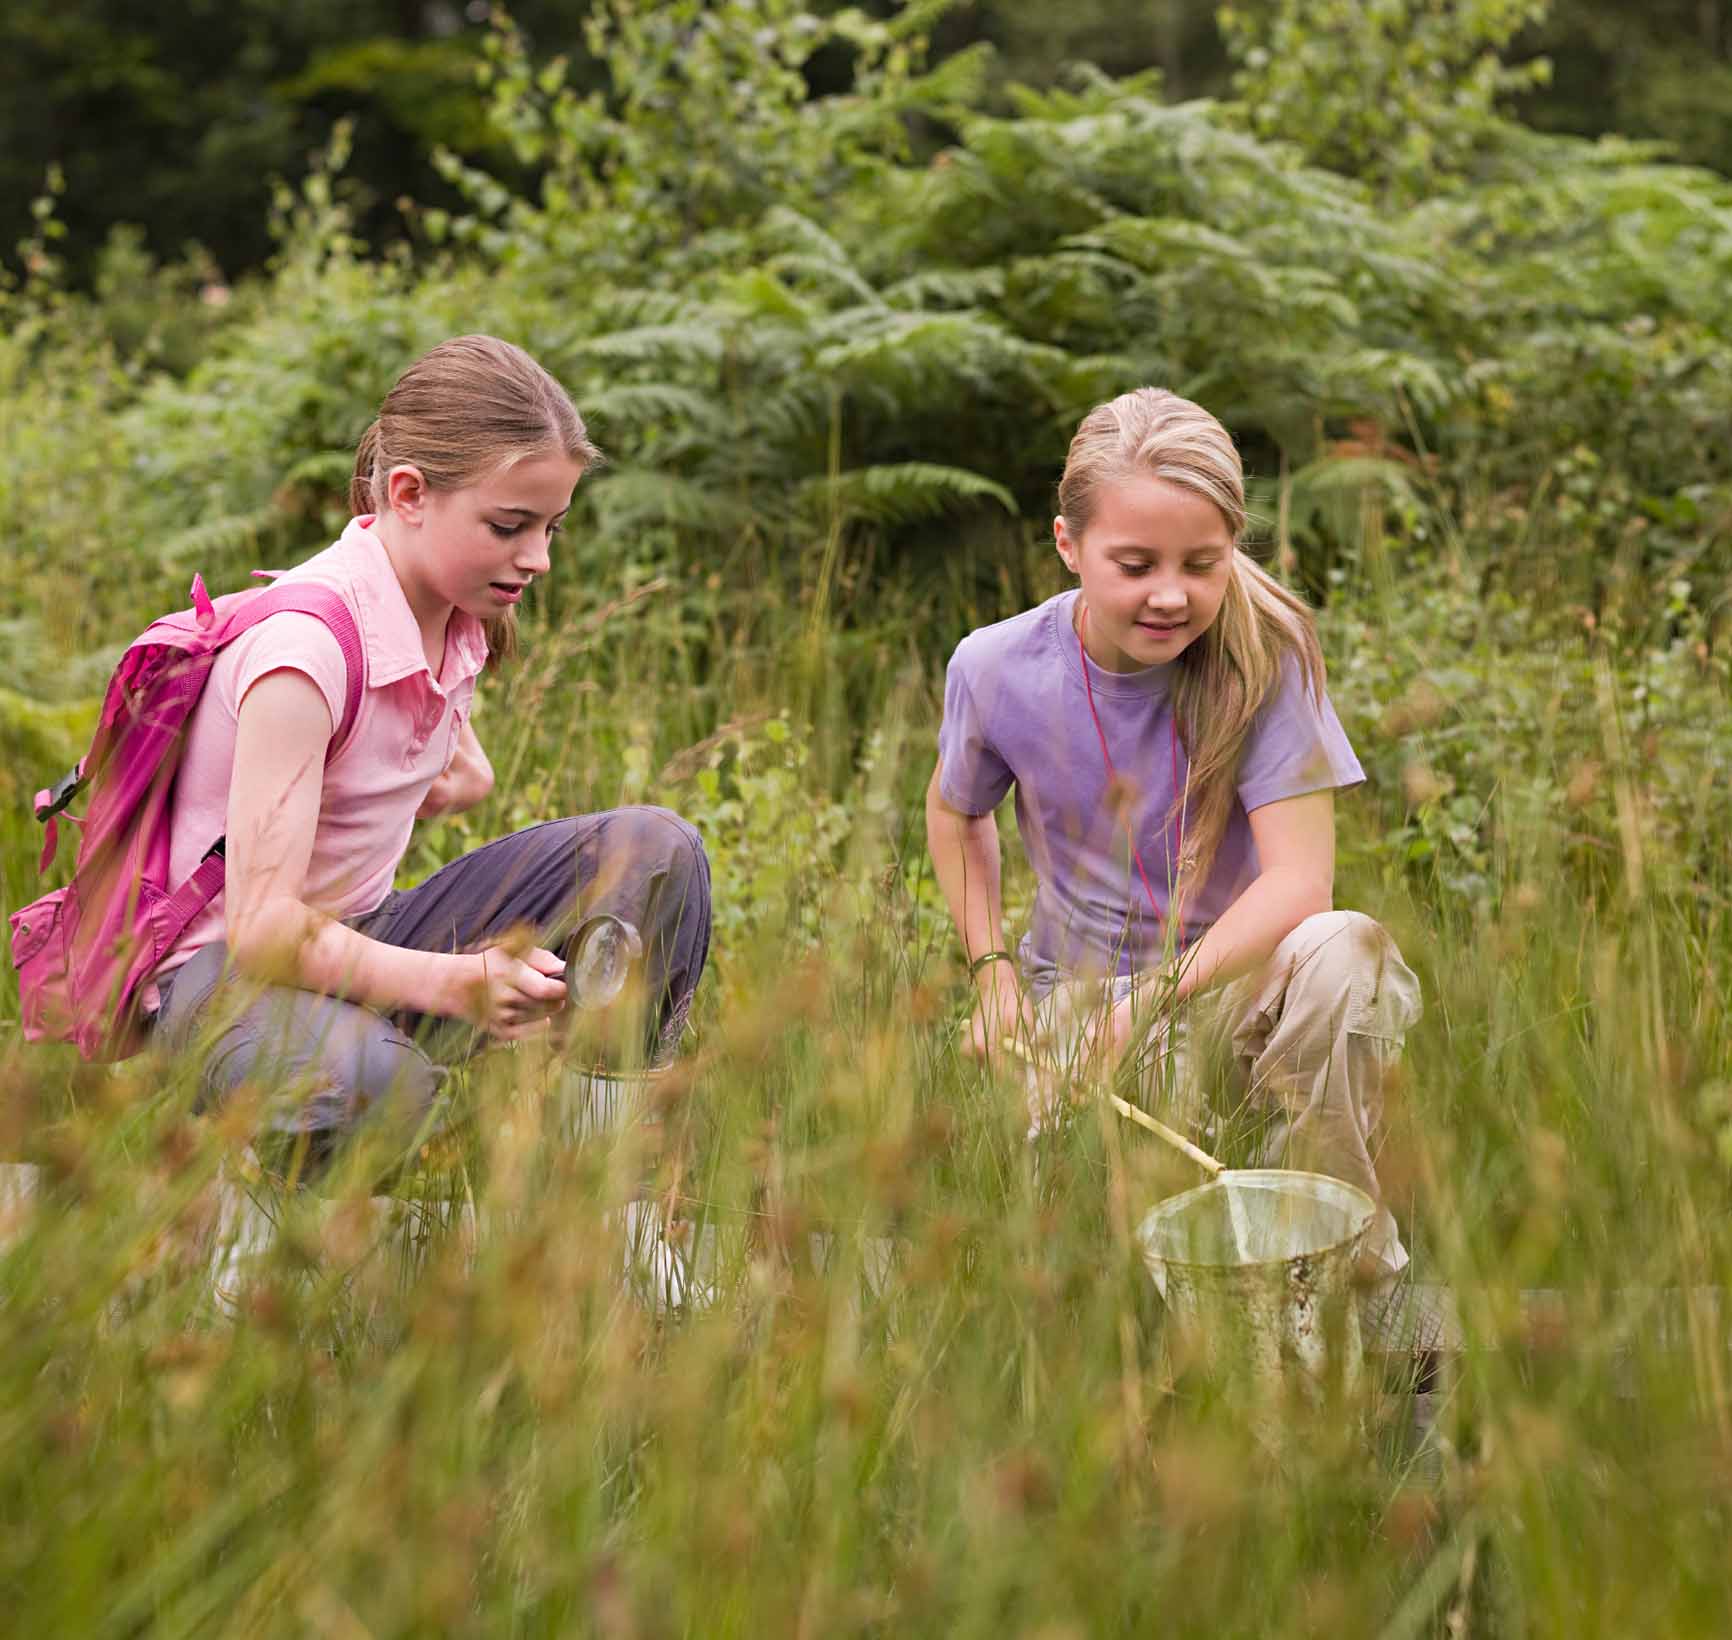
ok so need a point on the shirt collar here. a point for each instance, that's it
(388, 631)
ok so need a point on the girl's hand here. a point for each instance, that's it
(515, 990)
(1001, 1010)
(1127, 1028)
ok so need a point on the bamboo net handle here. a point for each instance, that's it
(1140, 1117)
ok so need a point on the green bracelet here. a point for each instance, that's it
(988, 956)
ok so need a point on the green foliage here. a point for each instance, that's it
(836, 371)
(37, 736)
(178, 119)
(1653, 71)
(704, 121)
(1401, 92)
(772, 348)
(750, 796)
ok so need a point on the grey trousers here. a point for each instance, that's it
(1301, 1048)
(341, 1064)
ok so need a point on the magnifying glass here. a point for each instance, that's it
(599, 960)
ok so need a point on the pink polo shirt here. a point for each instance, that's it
(405, 734)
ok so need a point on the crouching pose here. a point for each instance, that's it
(1175, 758)
(460, 486)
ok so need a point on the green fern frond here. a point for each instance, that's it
(1349, 474)
(905, 353)
(820, 271)
(792, 414)
(1370, 375)
(947, 288)
(903, 492)
(959, 81)
(805, 236)
(323, 468)
(759, 296)
(636, 404)
(632, 498)
(218, 538)
(651, 343)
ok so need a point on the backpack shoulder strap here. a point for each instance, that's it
(325, 604)
(300, 598)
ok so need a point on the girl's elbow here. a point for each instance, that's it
(265, 943)
(1315, 894)
(473, 787)
(1300, 894)
(934, 798)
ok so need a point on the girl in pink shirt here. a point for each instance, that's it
(459, 488)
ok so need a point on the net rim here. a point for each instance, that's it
(1363, 1208)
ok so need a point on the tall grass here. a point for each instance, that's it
(494, 1427)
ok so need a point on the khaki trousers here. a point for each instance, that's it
(1296, 1054)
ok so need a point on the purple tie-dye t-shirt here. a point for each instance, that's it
(1016, 713)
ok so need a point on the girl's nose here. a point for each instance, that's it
(534, 559)
(1166, 598)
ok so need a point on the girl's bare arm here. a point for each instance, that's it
(966, 861)
(273, 812)
(1295, 842)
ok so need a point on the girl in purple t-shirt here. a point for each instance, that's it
(1175, 757)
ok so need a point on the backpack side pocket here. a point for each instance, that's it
(39, 953)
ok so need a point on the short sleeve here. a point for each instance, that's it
(1296, 745)
(973, 778)
(292, 642)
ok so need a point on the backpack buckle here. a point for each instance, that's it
(52, 801)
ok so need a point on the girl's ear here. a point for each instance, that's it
(406, 493)
(1066, 546)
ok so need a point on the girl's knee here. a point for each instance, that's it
(658, 830)
(662, 845)
(1330, 955)
(388, 1072)
(1338, 940)
(1347, 958)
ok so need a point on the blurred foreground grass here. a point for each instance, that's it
(496, 1430)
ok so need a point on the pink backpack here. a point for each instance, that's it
(84, 952)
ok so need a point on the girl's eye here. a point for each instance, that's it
(1132, 569)
(1203, 566)
(502, 529)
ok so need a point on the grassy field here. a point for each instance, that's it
(835, 345)
(490, 1426)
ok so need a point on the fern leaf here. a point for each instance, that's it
(323, 468)
(635, 404)
(901, 492)
(652, 343)
(217, 538)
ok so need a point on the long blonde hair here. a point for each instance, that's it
(463, 410)
(1223, 679)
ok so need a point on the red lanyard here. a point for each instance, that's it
(1113, 775)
